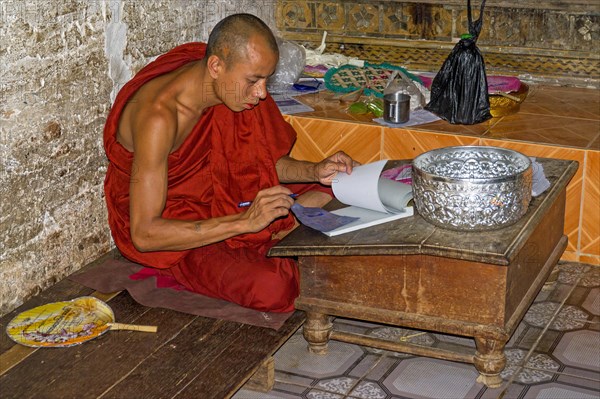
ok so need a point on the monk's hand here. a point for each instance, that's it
(269, 204)
(327, 169)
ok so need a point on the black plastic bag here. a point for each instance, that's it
(459, 92)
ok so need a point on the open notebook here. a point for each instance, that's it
(372, 199)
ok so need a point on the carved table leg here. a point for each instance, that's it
(317, 330)
(489, 361)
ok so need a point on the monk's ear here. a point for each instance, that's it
(215, 66)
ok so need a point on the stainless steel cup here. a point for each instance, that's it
(396, 107)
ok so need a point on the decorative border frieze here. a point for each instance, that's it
(554, 41)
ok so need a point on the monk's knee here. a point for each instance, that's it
(274, 292)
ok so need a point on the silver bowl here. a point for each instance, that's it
(472, 188)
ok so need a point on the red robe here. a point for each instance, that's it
(227, 158)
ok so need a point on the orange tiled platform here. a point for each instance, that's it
(556, 122)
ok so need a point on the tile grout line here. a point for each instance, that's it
(581, 204)
(539, 338)
(562, 373)
(345, 395)
(484, 136)
(552, 114)
(359, 380)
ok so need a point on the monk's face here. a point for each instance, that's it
(244, 83)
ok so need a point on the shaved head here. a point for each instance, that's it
(230, 37)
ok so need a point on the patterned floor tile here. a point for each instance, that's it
(564, 364)
(578, 296)
(246, 394)
(368, 390)
(318, 394)
(562, 292)
(580, 274)
(353, 326)
(294, 357)
(512, 391)
(543, 344)
(341, 385)
(592, 302)
(580, 349)
(423, 378)
(385, 365)
(545, 129)
(538, 367)
(454, 339)
(559, 391)
(589, 379)
(517, 335)
(292, 383)
(365, 366)
(594, 324)
(567, 318)
(352, 387)
(395, 334)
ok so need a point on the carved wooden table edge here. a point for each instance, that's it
(295, 244)
(543, 228)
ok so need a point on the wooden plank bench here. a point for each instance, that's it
(189, 357)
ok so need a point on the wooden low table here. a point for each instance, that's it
(410, 273)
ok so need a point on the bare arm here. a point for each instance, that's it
(290, 170)
(153, 141)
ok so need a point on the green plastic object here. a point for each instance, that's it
(358, 108)
(376, 107)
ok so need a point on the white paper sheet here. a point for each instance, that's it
(373, 199)
(366, 218)
(366, 189)
(361, 187)
(417, 117)
(540, 182)
(394, 195)
(289, 105)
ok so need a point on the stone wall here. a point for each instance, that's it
(62, 63)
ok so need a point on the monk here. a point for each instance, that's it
(191, 136)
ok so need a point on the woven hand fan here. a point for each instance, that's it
(372, 77)
(68, 323)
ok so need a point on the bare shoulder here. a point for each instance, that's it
(157, 113)
(149, 116)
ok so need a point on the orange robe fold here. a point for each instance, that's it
(227, 158)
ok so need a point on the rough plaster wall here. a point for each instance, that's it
(186, 20)
(61, 64)
(54, 99)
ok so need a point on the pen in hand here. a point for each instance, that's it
(247, 203)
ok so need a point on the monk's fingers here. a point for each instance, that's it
(342, 157)
(345, 162)
(277, 202)
(266, 208)
(257, 221)
(329, 170)
(273, 191)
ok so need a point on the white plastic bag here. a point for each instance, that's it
(292, 59)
